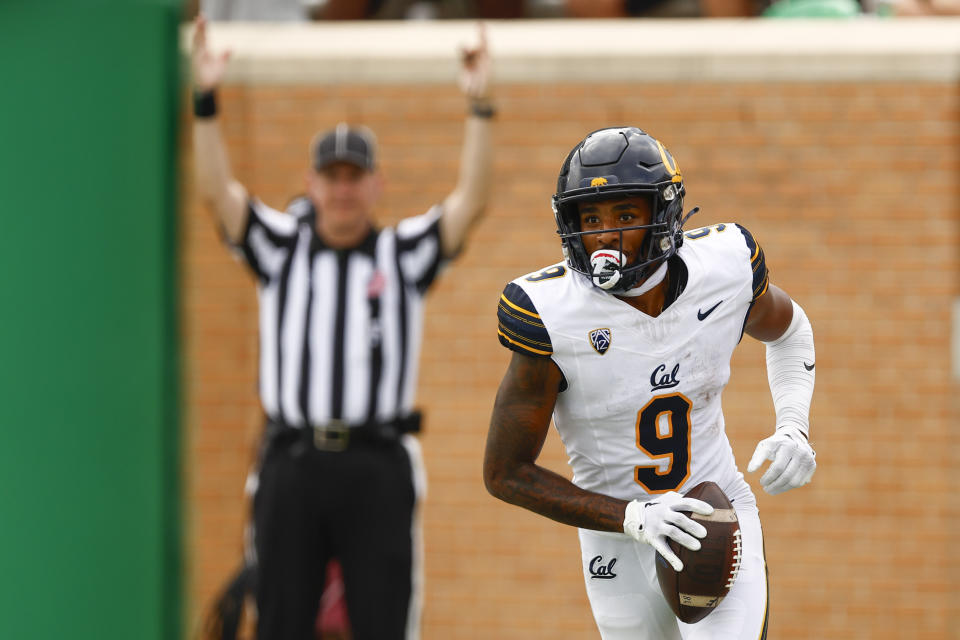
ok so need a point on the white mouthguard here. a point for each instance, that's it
(606, 265)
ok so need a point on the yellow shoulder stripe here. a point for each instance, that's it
(532, 350)
(524, 339)
(518, 318)
(520, 309)
(766, 285)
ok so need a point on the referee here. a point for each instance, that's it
(341, 310)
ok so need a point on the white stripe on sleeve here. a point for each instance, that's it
(409, 228)
(417, 262)
(269, 256)
(278, 222)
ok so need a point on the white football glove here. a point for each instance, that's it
(654, 521)
(794, 460)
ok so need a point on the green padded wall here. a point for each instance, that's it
(89, 455)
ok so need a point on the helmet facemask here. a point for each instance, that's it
(661, 241)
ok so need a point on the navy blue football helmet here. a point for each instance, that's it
(615, 163)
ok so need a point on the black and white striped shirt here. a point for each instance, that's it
(340, 330)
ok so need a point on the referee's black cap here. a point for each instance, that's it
(354, 145)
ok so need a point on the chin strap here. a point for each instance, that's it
(689, 215)
(652, 280)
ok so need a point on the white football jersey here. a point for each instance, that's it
(640, 412)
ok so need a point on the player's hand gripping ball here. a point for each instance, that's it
(709, 573)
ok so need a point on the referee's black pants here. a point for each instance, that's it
(355, 505)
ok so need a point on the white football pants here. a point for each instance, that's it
(628, 605)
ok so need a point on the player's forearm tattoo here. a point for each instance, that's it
(521, 418)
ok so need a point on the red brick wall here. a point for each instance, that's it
(854, 192)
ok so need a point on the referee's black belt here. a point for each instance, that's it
(338, 435)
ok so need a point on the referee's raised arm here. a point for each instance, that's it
(217, 187)
(469, 198)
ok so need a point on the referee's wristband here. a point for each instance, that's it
(482, 108)
(204, 103)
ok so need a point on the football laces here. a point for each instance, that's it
(737, 556)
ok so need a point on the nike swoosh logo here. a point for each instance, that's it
(702, 315)
(809, 367)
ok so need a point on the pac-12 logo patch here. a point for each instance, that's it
(600, 339)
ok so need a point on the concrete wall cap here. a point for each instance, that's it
(547, 51)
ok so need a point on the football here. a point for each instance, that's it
(708, 573)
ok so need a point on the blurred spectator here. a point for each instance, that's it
(300, 10)
(813, 9)
(274, 10)
(659, 8)
(283, 10)
(910, 8)
(295, 10)
(851, 8)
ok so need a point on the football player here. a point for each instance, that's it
(627, 344)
